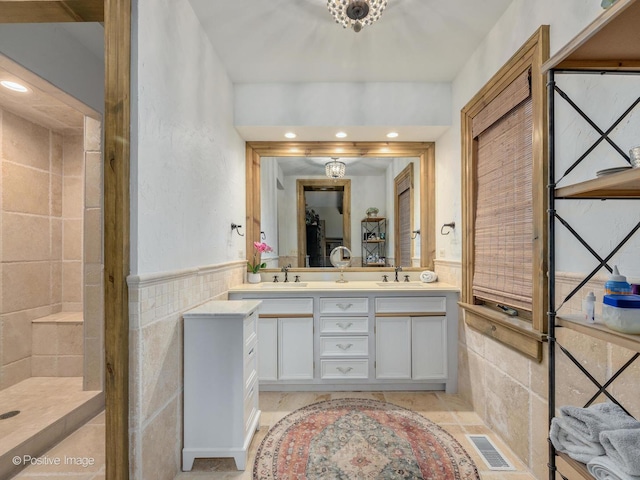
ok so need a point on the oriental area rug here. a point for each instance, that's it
(360, 439)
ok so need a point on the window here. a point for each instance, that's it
(504, 198)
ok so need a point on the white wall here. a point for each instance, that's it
(321, 104)
(51, 52)
(188, 162)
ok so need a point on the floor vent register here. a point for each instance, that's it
(493, 457)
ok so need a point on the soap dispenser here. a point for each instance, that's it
(617, 284)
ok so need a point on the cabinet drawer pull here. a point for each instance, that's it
(251, 351)
(344, 369)
(343, 326)
(343, 346)
(344, 306)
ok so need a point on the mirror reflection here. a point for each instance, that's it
(308, 209)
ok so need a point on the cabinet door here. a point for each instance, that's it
(268, 349)
(393, 347)
(429, 347)
(295, 348)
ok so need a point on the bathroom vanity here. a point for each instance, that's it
(361, 335)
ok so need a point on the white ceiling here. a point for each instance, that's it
(298, 40)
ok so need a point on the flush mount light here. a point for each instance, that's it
(335, 169)
(15, 86)
(341, 134)
(392, 134)
(290, 135)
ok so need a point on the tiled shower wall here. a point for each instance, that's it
(43, 185)
(156, 305)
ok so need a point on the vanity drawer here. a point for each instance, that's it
(344, 305)
(347, 369)
(250, 405)
(250, 364)
(411, 305)
(250, 327)
(344, 324)
(344, 346)
(284, 306)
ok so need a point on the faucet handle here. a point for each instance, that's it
(406, 278)
(385, 278)
(275, 279)
(297, 280)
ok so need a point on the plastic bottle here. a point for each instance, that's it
(617, 284)
(589, 307)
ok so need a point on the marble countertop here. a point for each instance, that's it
(354, 285)
(226, 308)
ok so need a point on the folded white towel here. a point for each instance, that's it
(589, 422)
(623, 447)
(576, 446)
(604, 468)
(428, 276)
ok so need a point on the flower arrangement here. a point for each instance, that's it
(260, 248)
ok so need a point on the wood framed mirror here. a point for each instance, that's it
(424, 152)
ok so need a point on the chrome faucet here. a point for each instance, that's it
(286, 272)
(398, 269)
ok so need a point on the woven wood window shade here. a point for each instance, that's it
(503, 270)
(404, 221)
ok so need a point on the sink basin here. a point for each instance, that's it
(399, 284)
(282, 284)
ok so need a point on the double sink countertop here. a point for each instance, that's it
(351, 285)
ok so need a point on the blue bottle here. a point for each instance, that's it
(617, 284)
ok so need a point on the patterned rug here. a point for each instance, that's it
(360, 439)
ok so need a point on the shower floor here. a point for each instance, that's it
(50, 409)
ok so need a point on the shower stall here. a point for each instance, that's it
(51, 285)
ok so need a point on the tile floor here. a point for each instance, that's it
(448, 411)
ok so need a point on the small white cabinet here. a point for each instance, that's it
(393, 348)
(221, 410)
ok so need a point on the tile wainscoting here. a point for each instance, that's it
(156, 305)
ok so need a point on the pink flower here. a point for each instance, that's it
(260, 248)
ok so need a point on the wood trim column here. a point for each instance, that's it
(51, 11)
(428, 207)
(117, 29)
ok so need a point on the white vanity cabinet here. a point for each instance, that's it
(221, 410)
(285, 332)
(346, 337)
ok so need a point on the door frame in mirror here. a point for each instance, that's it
(346, 216)
(425, 151)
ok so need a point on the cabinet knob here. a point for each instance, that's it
(343, 346)
(344, 369)
(343, 326)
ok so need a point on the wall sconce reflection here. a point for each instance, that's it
(415, 234)
(451, 225)
(237, 229)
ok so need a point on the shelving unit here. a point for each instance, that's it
(609, 45)
(373, 234)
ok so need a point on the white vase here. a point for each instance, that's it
(253, 277)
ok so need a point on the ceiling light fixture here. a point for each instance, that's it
(356, 13)
(290, 135)
(392, 134)
(15, 86)
(335, 169)
(341, 134)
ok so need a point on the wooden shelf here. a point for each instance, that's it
(373, 241)
(610, 42)
(373, 219)
(580, 468)
(599, 330)
(624, 184)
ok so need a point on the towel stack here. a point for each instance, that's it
(603, 436)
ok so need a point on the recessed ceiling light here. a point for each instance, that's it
(15, 86)
(392, 134)
(341, 134)
(290, 135)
